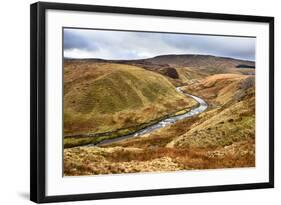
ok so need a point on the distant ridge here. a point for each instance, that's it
(199, 60)
(166, 64)
(161, 57)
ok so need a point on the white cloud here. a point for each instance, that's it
(82, 43)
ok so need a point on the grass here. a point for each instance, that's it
(94, 160)
(221, 137)
(159, 138)
(231, 117)
(84, 140)
(106, 97)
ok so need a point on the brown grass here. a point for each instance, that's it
(159, 138)
(104, 97)
(221, 137)
(126, 160)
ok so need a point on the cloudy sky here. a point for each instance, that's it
(83, 43)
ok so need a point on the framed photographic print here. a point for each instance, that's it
(129, 102)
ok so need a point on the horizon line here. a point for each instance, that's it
(73, 58)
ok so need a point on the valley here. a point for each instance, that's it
(105, 100)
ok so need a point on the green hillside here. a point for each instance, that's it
(104, 97)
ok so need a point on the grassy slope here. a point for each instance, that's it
(103, 97)
(229, 118)
(210, 64)
(229, 122)
(179, 69)
(221, 137)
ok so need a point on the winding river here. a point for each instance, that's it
(163, 123)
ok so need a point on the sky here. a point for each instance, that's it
(126, 45)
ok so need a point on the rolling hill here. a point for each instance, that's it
(231, 118)
(108, 97)
(136, 92)
(201, 61)
(180, 69)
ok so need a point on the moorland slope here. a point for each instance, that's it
(108, 97)
(221, 137)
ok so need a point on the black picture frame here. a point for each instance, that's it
(38, 97)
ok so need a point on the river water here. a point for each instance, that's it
(163, 123)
